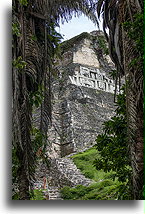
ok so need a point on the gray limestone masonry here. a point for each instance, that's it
(82, 97)
(62, 172)
(82, 100)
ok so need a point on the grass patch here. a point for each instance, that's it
(84, 162)
(37, 195)
(103, 190)
(105, 186)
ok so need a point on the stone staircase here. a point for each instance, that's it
(54, 193)
(68, 171)
(63, 172)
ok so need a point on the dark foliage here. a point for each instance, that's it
(113, 143)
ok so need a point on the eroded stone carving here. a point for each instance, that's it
(92, 78)
(80, 102)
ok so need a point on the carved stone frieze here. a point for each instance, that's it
(92, 78)
(80, 103)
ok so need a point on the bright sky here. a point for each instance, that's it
(76, 26)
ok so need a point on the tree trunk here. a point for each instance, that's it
(137, 157)
(23, 184)
(134, 77)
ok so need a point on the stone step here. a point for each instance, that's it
(62, 170)
(54, 195)
(68, 170)
(55, 199)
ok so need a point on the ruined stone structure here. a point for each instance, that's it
(92, 78)
(82, 94)
(82, 99)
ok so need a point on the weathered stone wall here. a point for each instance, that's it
(92, 78)
(62, 172)
(82, 99)
(85, 55)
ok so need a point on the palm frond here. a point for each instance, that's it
(122, 50)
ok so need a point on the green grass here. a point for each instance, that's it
(104, 190)
(105, 187)
(84, 162)
(37, 195)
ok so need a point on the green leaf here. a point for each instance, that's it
(23, 2)
(16, 29)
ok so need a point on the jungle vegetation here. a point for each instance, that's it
(107, 163)
(36, 43)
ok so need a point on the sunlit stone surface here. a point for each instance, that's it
(82, 97)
